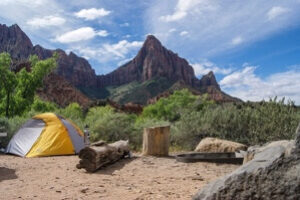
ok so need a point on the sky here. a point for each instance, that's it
(253, 47)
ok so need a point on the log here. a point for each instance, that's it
(156, 141)
(101, 154)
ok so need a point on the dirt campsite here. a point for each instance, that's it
(138, 177)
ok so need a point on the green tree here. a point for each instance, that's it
(17, 90)
(8, 83)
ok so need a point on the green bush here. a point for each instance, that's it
(73, 112)
(170, 108)
(106, 124)
(10, 126)
(248, 123)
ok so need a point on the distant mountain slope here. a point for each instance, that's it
(154, 71)
(56, 89)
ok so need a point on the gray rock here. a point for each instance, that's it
(272, 174)
(253, 150)
(297, 139)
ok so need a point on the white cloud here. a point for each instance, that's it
(121, 48)
(276, 11)
(46, 21)
(241, 78)
(237, 40)
(216, 26)
(183, 33)
(246, 85)
(92, 13)
(207, 66)
(109, 52)
(102, 33)
(81, 34)
(181, 10)
(122, 62)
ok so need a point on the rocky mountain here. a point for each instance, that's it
(15, 41)
(154, 71)
(75, 69)
(152, 61)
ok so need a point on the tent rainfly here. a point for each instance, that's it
(46, 135)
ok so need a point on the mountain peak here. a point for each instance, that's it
(151, 38)
(153, 61)
(152, 43)
(16, 27)
(209, 80)
(15, 41)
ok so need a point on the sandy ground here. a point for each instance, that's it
(132, 178)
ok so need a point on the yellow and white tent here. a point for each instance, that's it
(46, 135)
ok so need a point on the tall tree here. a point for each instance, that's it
(17, 90)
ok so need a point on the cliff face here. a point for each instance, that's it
(152, 61)
(75, 69)
(152, 64)
(58, 90)
(209, 80)
(14, 41)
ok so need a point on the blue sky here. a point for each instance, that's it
(252, 46)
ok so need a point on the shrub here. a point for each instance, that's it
(73, 112)
(170, 108)
(10, 126)
(43, 106)
(248, 123)
(106, 124)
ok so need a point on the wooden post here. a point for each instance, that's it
(156, 141)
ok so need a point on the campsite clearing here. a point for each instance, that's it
(135, 178)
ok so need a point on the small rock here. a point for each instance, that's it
(197, 178)
(84, 190)
(58, 191)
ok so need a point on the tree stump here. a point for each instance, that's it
(156, 141)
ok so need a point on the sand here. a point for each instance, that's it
(135, 179)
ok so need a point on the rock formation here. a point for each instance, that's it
(152, 62)
(14, 41)
(272, 174)
(209, 80)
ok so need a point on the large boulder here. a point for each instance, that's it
(272, 174)
(253, 150)
(217, 145)
(297, 140)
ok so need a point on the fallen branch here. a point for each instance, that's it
(101, 154)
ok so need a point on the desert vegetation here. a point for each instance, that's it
(191, 118)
